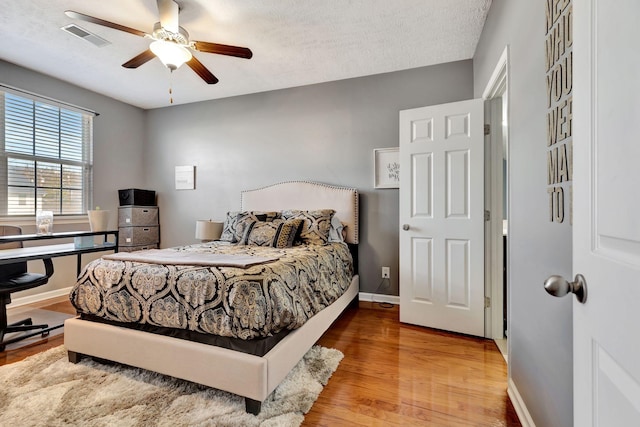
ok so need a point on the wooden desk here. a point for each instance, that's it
(8, 256)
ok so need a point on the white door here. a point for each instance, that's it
(442, 217)
(606, 212)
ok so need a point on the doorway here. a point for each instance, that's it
(497, 205)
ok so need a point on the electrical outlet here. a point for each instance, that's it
(385, 272)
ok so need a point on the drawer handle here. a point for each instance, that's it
(145, 210)
(145, 229)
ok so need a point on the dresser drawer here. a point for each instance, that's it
(139, 236)
(137, 216)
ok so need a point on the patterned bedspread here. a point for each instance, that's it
(243, 303)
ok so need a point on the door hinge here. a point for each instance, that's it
(487, 129)
(487, 302)
(487, 215)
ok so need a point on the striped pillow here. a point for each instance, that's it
(277, 233)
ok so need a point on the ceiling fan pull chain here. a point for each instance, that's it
(171, 86)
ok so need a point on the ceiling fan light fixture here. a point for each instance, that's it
(171, 54)
(169, 42)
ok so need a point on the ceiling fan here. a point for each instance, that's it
(170, 43)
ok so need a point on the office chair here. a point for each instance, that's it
(13, 278)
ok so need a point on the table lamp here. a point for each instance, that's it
(208, 230)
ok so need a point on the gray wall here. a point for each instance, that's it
(325, 132)
(118, 136)
(540, 331)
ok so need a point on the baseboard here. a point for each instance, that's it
(36, 298)
(391, 299)
(519, 406)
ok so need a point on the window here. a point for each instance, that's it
(45, 156)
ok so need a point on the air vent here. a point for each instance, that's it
(85, 35)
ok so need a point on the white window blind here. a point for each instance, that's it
(45, 158)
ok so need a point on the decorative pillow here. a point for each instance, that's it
(315, 229)
(237, 219)
(337, 230)
(278, 233)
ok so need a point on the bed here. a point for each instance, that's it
(251, 374)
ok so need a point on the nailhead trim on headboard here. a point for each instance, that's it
(355, 222)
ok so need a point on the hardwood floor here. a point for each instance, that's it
(392, 374)
(61, 305)
(397, 374)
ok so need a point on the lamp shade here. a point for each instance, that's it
(208, 230)
(170, 53)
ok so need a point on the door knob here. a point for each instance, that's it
(405, 227)
(558, 286)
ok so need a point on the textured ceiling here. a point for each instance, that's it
(294, 42)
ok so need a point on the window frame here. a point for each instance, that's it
(85, 153)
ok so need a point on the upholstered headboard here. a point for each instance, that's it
(305, 195)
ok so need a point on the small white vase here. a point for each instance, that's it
(98, 220)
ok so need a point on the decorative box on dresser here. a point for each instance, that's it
(139, 228)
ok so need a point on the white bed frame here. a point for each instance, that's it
(252, 377)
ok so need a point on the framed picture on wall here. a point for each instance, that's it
(386, 167)
(185, 177)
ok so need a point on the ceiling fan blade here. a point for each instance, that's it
(94, 20)
(223, 49)
(137, 61)
(202, 71)
(169, 11)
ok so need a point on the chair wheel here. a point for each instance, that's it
(45, 334)
(28, 322)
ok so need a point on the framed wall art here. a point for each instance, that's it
(386, 166)
(185, 177)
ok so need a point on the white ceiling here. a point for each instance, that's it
(294, 42)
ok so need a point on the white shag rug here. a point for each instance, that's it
(47, 390)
